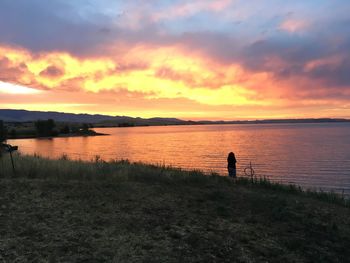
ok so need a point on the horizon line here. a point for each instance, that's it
(188, 120)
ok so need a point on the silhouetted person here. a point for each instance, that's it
(231, 165)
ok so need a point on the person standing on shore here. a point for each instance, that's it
(231, 165)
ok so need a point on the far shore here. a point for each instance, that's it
(28, 131)
(251, 122)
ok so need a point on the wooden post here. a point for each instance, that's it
(6, 148)
(13, 164)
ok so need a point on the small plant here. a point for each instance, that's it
(64, 157)
(97, 158)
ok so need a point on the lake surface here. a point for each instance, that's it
(311, 155)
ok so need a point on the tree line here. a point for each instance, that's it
(48, 128)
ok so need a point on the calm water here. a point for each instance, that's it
(312, 155)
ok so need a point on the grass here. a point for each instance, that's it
(75, 211)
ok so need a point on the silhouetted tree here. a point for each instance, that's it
(45, 128)
(65, 130)
(74, 129)
(13, 133)
(3, 132)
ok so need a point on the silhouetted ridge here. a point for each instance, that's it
(125, 121)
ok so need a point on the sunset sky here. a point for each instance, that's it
(200, 59)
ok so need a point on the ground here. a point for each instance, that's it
(163, 217)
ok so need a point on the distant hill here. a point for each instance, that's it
(125, 121)
(28, 116)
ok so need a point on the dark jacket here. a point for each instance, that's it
(231, 161)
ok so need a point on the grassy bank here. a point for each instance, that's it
(101, 212)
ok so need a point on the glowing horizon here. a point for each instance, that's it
(252, 61)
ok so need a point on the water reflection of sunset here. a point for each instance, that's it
(314, 161)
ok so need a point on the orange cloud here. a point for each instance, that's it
(168, 72)
(147, 82)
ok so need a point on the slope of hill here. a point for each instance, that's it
(27, 116)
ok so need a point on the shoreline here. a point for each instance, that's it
(257, 180)
(308, 187)
(59, 136)
(258, 122)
